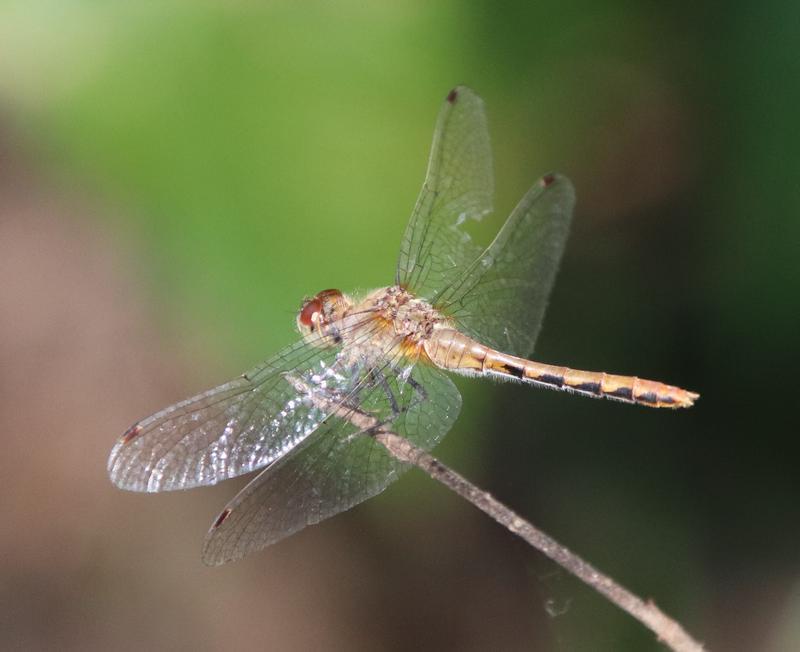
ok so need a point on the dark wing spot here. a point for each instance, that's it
(547, 180)
(131, 434)
(452, 95)
(221, 518)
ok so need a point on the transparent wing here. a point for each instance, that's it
(232, 429)
(500, 300)
(458, 186)
(339, 467)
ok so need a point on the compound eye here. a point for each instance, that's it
(307, 312)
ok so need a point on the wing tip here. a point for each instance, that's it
(552, 179)
(555, 182)
(212, 555)
(131, 433)
(547, 180)
(211, 559)
(459, 93)
(215, 552)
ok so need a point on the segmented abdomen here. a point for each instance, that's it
(452, 350)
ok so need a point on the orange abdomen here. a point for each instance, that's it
(454, 351)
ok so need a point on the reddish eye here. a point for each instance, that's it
(308, 311)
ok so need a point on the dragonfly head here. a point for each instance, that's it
(318, 317)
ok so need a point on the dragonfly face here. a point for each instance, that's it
(320, 317)
(304, 418)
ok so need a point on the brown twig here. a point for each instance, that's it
(665, 628)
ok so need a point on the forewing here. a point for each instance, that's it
(501, 298)
(230, 430)
(458, 186)
(341, 466)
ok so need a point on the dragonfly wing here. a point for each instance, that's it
(230, 430)
(336, 469)
(458, 186)
(501, 298)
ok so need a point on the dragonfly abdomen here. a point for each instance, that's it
(629, 389)
(452, 350)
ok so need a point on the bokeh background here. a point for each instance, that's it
(175, 177)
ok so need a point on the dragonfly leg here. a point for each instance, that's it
(419, 396)
(423, 395)
(378, 377)
(368, 423)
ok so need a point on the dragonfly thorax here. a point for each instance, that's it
(410, 317)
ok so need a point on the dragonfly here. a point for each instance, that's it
(306, 418)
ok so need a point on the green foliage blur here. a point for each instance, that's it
(250, 154)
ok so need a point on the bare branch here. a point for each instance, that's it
(665, 628)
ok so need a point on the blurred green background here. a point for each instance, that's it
(176, 177)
